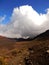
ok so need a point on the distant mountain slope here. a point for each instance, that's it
(11, 42)
(43, 36)
(21, 39)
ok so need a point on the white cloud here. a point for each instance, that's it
(2, 18)
(25, 22)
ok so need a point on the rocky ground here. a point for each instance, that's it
(35, 55)
(34, 52)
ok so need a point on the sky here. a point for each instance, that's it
(7, 6)
(23, 18)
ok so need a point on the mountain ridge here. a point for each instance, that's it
(42, 35)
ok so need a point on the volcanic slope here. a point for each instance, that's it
(25, 52)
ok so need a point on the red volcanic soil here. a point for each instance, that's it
(6, 44)
(25, 52)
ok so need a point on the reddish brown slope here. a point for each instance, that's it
(6, 44)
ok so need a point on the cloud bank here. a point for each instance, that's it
(25, 22)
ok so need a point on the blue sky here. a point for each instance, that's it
(24, 17)
(7, 6)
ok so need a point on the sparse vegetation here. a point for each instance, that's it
(35, 52)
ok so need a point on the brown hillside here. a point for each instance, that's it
(34, 52)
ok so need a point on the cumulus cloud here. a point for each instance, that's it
(25, 22)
